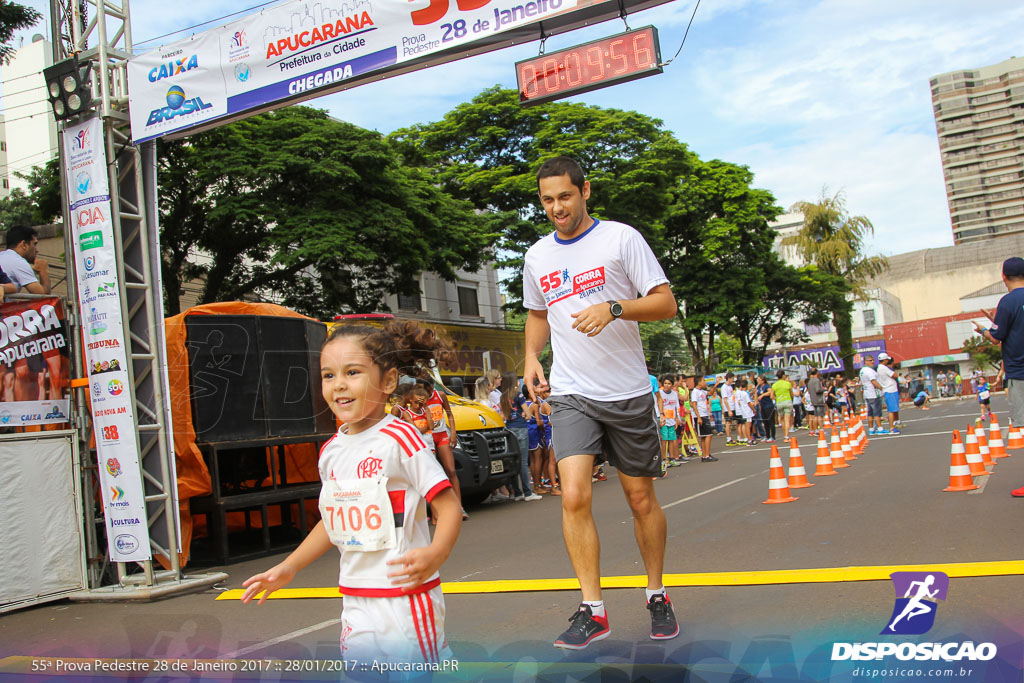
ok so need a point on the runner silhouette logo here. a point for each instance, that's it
(916, 595)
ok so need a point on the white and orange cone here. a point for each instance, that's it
(995, 439)
(986, 453)
(778, 487)
(836, 452)
(797, 473)
(824, 461)
(1014, 438)
(844, 444)
(854, 430)
(971, 454)
(959, 471)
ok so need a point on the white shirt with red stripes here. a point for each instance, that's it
(395, 449)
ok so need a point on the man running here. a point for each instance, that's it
(580, 287)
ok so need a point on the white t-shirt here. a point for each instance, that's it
(699, 400)
(885, 378)
(395, 449)
(669, 407)
(728, 398)
(743, 404)
(495, 397)
(610, 261)
(867, 373)
(17, 268)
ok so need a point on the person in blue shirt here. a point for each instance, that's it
(1007, 330)
(921, 400)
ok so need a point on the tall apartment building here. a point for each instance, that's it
(979, 116)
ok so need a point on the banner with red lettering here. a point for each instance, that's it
(35, 366)
(296, 50)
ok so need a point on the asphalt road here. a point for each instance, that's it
(887, 509)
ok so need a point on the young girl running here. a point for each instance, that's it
(378, 474)
(443, 435)
(412, 407)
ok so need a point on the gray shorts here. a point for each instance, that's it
(1015, 394)
(624, 431)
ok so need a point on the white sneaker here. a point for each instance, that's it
(533, 496)
(519, 498)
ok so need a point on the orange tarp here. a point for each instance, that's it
(193, 475)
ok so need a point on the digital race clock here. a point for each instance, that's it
(597, 64)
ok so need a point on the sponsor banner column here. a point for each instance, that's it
(106, 358)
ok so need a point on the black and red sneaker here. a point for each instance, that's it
(585, 629)
(663, 619)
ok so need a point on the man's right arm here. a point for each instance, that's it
(42, 270)
(537, 333)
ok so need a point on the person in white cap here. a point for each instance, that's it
(890, 390)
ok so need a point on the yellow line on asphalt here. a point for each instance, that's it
(757, 578)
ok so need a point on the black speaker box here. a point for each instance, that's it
(255, 377)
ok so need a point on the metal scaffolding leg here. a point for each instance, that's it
(132, 182)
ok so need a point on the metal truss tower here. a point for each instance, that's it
(100, 30)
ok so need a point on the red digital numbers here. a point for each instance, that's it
(623, 63)
(110, 433)
(586, 67)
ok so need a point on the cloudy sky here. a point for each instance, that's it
(807, 93)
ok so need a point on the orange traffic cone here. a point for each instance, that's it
(1015, 439)
(986, 453)
(959, 471)
(995, 439)
(972, 454)
(778, 489)
(836, 452)
(824, 461)
(859, 438)
(828, 422)
(797, 473)
(844, 444)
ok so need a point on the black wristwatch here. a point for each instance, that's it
(616, 309)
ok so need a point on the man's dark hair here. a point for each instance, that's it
(559, 166)
(20, 233)
(667, 378)
(729, 375)
(780, 374)
(814, 371)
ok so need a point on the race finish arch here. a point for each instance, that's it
(302, 49)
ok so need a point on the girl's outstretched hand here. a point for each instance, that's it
(268, 581)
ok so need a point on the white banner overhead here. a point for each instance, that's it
(302, 49)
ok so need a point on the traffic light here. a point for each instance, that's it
(69, 87)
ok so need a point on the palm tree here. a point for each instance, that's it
(833, 240)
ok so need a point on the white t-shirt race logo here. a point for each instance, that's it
(610, 261)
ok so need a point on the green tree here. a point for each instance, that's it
(41, 204)
(664, 347)
(316, 212)
(805, 294)
(983, 352)
(717, 253)
(14, 17)
(833, 240)
(487, 151)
